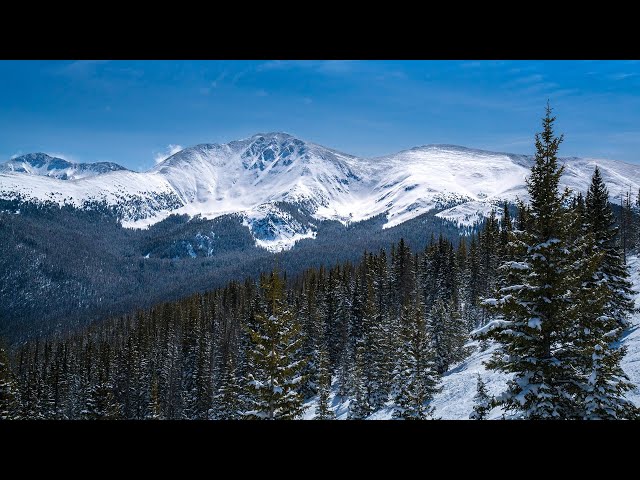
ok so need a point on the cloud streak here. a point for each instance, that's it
(622, 76)
(171, 149)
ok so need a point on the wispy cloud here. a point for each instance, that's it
(393, 75)
(327, 67)
(81, 69)
(215, 83)
(64, 156)
(17, 154)
(307, 101)
(535, 77)
(474, 64)
(621, 76)
(540, 87)
(171, 149)
(481, 63)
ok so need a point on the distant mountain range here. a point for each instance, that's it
(262, 177)
(54, 167)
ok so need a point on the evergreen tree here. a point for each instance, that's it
(447, 334)
(323, 410)
(474, 313)
(376, 373)
(275, 374)
(101, 402)
(601, 223)
(489, 252)
(311, 319)
(482, 401)
(226, 401)
(600, 315)
(415, 375)
(8, 400)
(626, 224)
(154, 411)
(359, 407)
(505, 227)
(533, 307)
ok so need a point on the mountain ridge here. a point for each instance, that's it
(43, 164)
(253, 176)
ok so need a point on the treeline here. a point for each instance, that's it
(383, 329)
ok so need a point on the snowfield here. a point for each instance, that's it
(252, 176)
(455, 401)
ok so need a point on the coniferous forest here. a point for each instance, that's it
(544, 283)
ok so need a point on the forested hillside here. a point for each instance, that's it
(65, 267)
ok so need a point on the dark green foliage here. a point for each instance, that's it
(447, 335)
(274, 381)
(415, 376)
(64, 267)
(555, 321)
(323, 410)
(8, 400)
(482, 402)
(606, 300)
(189, 359)
(600, 222)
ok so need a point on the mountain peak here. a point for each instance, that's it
(43, 164)
(38, 159)
(272, 136)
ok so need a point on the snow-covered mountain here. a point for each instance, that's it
(259, 176)
(48, 166)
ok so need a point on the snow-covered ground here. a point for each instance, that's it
(455, 401)
(631, 361)
(247, 176)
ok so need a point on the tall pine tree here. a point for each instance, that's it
(601, 222)
(274, 378)
(415, 375)
(532, 306)
(8, 401)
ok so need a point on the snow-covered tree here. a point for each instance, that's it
(359, 407)
(599, 314)
(274, 375)
(534, 297)
(447, 334)
(154, 410)
(558, 321)
(226, 400)
(323, 410)
(481, 401)
(601, 223)
(8, 400)
(415, 375)
(101, 402)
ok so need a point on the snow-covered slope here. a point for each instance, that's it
(455, 401)
(48, 166)
(254, 176)
(136, 195)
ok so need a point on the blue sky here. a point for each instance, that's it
(133, 112)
